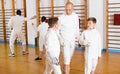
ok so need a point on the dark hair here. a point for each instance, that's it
(52, 21)
(18, 12)
(93, 19)
(43, 18)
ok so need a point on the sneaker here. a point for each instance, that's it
(11, 55)
(24, 52)
(38, 58)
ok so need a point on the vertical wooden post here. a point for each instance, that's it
(52, 8)
(85, 14)
(3, 19)
(107, 1)
(25, 14)
(13, 7)
(38, 11)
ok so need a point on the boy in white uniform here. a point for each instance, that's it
(42, 29)
(92, 41)
(52, 46)
(69, 30)
(16, 23)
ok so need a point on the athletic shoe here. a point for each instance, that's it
(11, 55)
(38, 58)
(24, 52)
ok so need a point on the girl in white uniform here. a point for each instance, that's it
(16, 23)
(52, 46)
(92, 41)
(42, 29)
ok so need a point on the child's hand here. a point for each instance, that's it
(61, 42)
(99, 57)
(32, 24)
(79, 45)
(55, 61)
(87, 43)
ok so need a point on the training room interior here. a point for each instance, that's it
(107, 13)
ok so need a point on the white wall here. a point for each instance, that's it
(31, 11)
(95, 9)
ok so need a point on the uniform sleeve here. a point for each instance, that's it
(83, 40)
(26, 19)
(99, 46)
(10, 23)
(59, 22)
(77, 28)
(60, 38)
(49, 45)
(38, 28)
(60, 27)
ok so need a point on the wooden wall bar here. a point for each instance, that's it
(85, 14)
(38, 11)
(52, 8)
(3, 19)
(107, 25)
(112, 30)
(25, 14)
(13, 7)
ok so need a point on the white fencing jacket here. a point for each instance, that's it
(69, 26)
(42, 29)
(16, 23)
(52, 44)
(92, 41)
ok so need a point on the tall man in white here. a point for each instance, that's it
(16, 23)
(69, 30)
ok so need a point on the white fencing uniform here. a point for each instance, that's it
(52, 46)
(42, 29)
(92, 41)
(69, 29)
(16, 23)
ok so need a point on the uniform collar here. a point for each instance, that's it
(91, 29)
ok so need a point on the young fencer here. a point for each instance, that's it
(52, 45)
(91, 39)
(16, 23)
(42, 30)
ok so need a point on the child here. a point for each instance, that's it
(91, 39)
(52, 46)
(16, 23)
(42, 29)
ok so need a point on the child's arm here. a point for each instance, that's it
(49, 49)
(60, 38)
(99, 46)
(27, 18)
(35, 28)
(83, 40)
(10, 24)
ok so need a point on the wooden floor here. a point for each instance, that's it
(25, 64)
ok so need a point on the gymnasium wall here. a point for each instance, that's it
(113, 31)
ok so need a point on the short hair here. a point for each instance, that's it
(93, 19)
(52, 21)
(43, 18)
(69, 3)
(18, 12)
